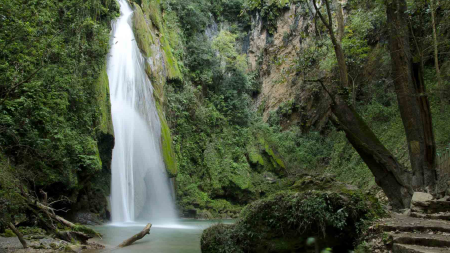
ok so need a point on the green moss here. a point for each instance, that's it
(143, 35)
(102, 94)
(275, 158)
(8, 233)
(157, 81)
(284, 221)
(255, 157)
(166, 141)
(31, 230)
(153, 10)
(173, 71)
(167, 36)
(86, 230)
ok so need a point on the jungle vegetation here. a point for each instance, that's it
(382, 64)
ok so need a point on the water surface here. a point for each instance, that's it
(183, 237)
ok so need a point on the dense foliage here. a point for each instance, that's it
(223, 145)
(54, 98)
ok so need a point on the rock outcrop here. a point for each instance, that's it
(275, 57)
(285, 221)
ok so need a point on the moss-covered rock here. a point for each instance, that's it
(166, 143)
(150, 29)
(285, 221)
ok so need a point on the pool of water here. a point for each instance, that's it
(181, 237)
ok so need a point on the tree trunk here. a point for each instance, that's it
(389, 173)
(18, 234)
(340, 20)
(343, 72)
(136, 237)
(435, 45)
(412, 100)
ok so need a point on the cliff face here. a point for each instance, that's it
(156, 41)
(275, 56)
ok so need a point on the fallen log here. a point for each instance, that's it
(18, 234)
(79, 233)
(136, 237)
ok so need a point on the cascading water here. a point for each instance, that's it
(140, 186)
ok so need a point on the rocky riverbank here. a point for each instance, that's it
(43, 243)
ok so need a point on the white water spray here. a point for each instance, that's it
(140, 186)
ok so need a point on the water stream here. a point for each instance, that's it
(140, 187)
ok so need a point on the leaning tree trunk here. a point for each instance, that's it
(389, 173)
(18, 234)
(412, 100)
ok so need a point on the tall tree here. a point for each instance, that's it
(412, 99)
(389, 174)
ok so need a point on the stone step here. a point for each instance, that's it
(435, 216)
(422, 202)
(404, 248)
(405, 223)
(427, 240)
(430, 206)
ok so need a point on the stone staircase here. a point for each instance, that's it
(425, 228)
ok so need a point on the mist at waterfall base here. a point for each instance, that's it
(140, 189)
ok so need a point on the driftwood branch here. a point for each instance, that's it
(136, 237)
(19, 235)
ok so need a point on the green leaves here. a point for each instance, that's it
(52, 55)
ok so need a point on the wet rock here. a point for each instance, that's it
(86, 218)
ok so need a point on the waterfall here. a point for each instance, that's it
(140, 187)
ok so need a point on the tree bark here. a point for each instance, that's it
(18, 234)
(389, 174)
(340, 20)
(136, 237)
(412, 100)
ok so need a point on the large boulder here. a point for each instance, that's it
(286, 221)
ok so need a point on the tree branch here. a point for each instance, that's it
(328, 25)
(136, 237)
(323, 86)
(18, 234)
